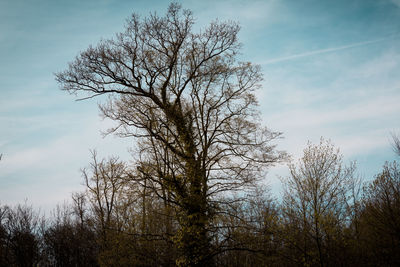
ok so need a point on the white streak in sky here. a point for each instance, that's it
(324, 51)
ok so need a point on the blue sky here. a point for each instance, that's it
(331, 68)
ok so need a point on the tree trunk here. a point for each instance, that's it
(192, 238)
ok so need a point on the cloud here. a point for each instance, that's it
(63, 150)
(369, 109)
(37, 170)
(250, 14)
(324, 51)
(396, 3)
(265, 11)
(357, 107)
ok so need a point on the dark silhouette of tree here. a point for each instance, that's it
(380, 218)
(191, 105)
(68, 242)
(248, 228)
(4, 240)
(20, 236)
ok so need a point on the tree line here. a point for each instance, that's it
(326, 217)
(193, 194)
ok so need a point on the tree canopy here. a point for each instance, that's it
(191, 105)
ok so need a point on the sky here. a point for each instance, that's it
(331, 69)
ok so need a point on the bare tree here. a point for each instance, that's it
(104, 181)
(396, 143)
(191, 105)
(315, 201)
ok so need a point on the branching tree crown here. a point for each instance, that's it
(192, 106)
(316, 197)
(396, 144)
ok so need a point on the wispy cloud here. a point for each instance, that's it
(357, 107)
(396, 2)
(370, 109)
(251, 15)
(327, 50)
(39, 168)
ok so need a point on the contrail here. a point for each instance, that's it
(323, 51)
